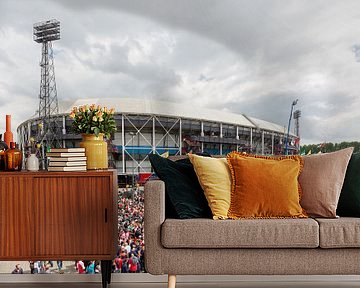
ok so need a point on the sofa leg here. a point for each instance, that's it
(171, 281)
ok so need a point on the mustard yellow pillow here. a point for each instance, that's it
(265, 187)
(215, 179)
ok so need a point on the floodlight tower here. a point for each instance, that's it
(297, 115)
(48, 131)
(288, 130)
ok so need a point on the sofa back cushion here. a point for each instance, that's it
(321, 181)
(215, 179)
(349, 202)
(265, 187)
(183, 191)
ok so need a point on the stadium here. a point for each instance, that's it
(148, 126)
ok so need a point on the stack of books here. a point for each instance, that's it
(67, 159)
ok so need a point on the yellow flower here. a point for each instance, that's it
(72, 115)
(74, 110)
(105, 109)
(94, 118)
(111, 111)
(32, 139)
(99, 114)
(101, 119)
(92, 107)
(38, 145)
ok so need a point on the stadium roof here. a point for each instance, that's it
(146, 106)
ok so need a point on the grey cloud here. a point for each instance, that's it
(330, 129)
(156, 79)
(251, 57)
(204, 78)
(5, 59)
(114, 61)
(356, 50)
(230, 22)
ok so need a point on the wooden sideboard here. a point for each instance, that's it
(59, 216)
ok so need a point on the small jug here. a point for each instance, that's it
(32, 163)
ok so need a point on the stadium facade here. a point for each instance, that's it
(147, 126)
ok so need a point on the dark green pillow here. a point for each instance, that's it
(349, 202)
(182, 187)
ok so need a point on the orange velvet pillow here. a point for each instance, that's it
(265, 187)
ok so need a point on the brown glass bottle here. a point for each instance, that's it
(13, 158)
(3, 148)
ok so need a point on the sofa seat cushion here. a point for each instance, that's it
(249, 233)
(339, 233)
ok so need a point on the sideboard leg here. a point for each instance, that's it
(109, 271)
(171, 281)
(104, 273)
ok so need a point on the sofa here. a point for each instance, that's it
(250, 247)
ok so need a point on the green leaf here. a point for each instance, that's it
(96, 131)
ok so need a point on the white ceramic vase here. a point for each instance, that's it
(32, 163)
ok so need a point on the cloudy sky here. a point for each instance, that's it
(253, 57)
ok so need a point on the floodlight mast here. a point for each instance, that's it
(48, 130)
(288, 130)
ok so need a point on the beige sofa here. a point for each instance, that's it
(246, 247)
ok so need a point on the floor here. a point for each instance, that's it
(143, 280)
(241, 284)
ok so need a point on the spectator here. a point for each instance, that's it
(133, 263)
(97, 267)
(59, 264)
(17, 270)
(37, 267)
(118, 264)
(32, 267)
(47, 268)
(80, 267)
(125, 267)
(90, 269)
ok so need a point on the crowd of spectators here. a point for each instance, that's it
(37, 267)
(130, 256)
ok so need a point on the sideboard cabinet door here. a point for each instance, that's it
(16, 218)
(74, 217)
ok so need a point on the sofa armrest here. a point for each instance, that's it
(154, 216)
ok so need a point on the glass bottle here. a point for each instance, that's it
(13, 158)
(3, 148)
(32, 163)
(8, 135)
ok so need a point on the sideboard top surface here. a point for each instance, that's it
(102, 172)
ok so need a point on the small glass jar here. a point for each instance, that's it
(32, 163)
(13, 158)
